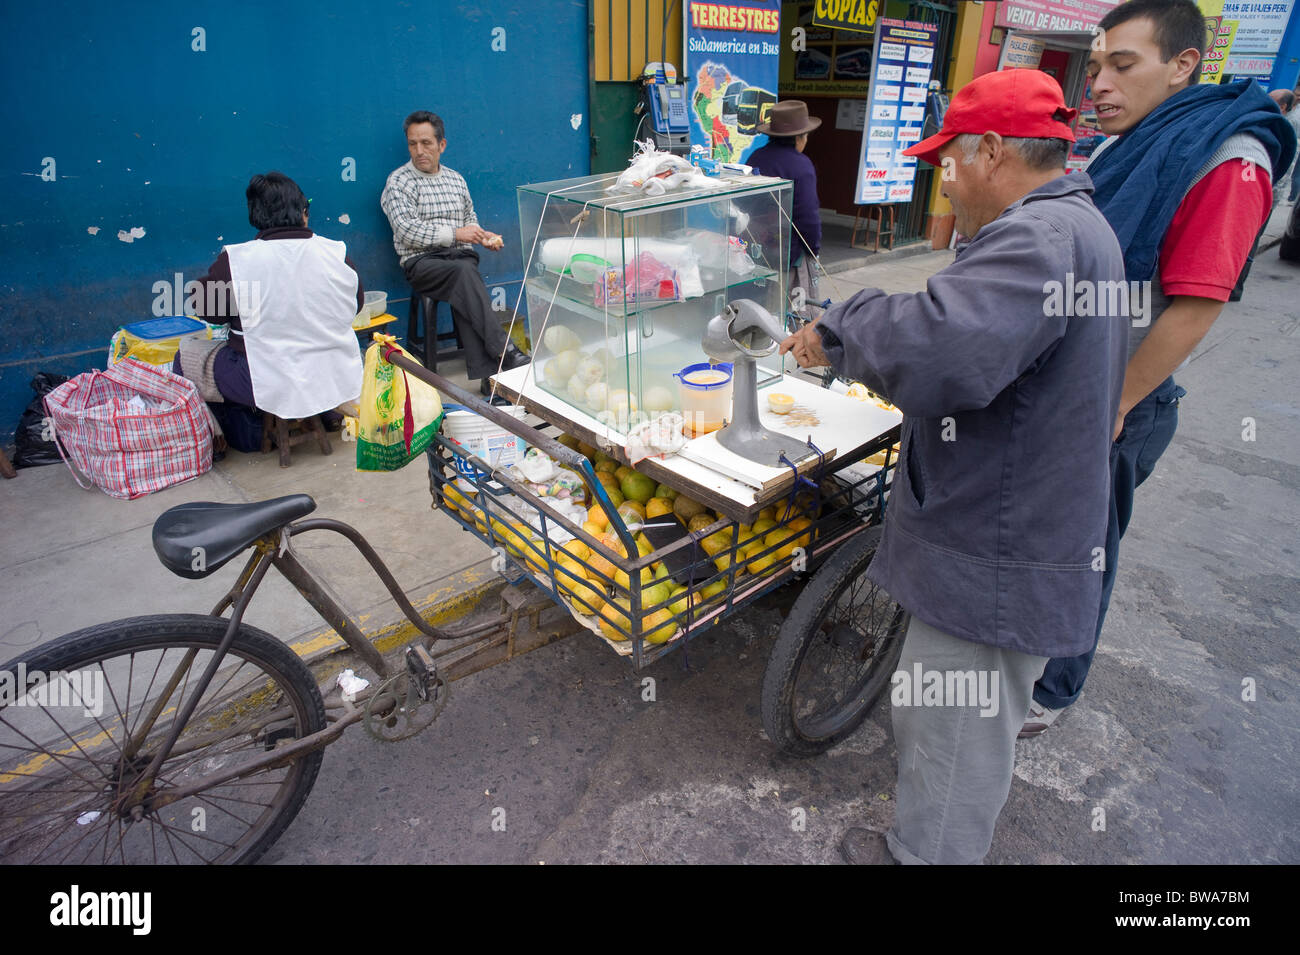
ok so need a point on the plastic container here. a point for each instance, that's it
(376, 304)
(154, 341)
(481, 438)
(705, 390)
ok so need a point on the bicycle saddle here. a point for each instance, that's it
(193, 540)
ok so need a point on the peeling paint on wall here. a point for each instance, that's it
(345, 219)
(575, 120)
(135, 233)
(93, 229)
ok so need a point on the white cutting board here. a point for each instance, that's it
(843, 423)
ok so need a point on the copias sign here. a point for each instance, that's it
(857, 15)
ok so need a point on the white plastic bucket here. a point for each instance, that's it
(483, 439)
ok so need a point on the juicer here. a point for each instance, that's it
(741, 334)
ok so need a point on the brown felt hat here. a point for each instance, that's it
(789, 118)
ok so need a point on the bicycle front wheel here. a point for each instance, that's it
(87, 714)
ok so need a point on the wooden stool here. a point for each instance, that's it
(288, 432)
(423, 343)
(877, 215)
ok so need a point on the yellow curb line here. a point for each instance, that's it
(455, 598)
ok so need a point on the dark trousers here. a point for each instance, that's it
(1148, 430)
(452, 276)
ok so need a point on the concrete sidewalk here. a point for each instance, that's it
(75, 558)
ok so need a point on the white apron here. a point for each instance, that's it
(296, 300)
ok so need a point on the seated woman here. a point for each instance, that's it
(289, 297)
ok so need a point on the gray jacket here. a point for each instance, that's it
(1009, 386)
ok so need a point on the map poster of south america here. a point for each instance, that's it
(732, 62)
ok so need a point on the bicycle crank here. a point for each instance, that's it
(407, 703)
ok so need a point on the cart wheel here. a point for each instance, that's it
(834, 654)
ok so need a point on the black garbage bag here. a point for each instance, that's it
(35, 446)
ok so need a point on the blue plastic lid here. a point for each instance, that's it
(169, 326)
(703, 366)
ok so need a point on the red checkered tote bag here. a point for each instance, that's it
(132, 430)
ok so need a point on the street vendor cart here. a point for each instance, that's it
(646, 536)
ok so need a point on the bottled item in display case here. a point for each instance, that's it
(622, 287)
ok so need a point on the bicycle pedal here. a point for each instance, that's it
(423, 671)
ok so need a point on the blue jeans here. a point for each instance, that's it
(1148, 430)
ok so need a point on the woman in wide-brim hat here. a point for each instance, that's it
(787, 128)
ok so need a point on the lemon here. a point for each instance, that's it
(614, 615)
(659, 627)
(577, 550)
(667, 493)
(657, 507)
(699, 522)
(637, 487)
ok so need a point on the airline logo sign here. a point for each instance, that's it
(901, 68)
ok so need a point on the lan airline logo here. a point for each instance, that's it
(870, 174)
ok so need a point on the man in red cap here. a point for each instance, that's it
(1008, 370)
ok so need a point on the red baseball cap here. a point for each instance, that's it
(1014, 102)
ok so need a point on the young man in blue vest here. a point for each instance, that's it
(1186, 183)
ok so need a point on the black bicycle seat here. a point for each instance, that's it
(193, 540)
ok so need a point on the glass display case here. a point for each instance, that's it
(621, 287)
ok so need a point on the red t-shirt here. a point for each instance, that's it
(1213, 230)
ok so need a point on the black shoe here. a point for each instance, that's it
(485, 389)
(514, 358)
(865, 847)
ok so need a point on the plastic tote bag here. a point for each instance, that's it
(399, 415)
(132, 430)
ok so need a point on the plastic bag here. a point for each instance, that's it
(653, 173)
(399, 414)
(35, 436)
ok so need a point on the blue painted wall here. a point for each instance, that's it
(146, 132)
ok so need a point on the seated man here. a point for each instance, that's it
(434, 231)
(289, 297)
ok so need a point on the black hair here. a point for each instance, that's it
(274, 200)
(1179, 25)
(1288, 100)
(782, 140)
(424, 116)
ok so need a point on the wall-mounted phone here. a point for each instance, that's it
(663, 109)
(936, 105)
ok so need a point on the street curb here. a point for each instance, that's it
(454, 596)
(879, 258)
(1269, 243)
